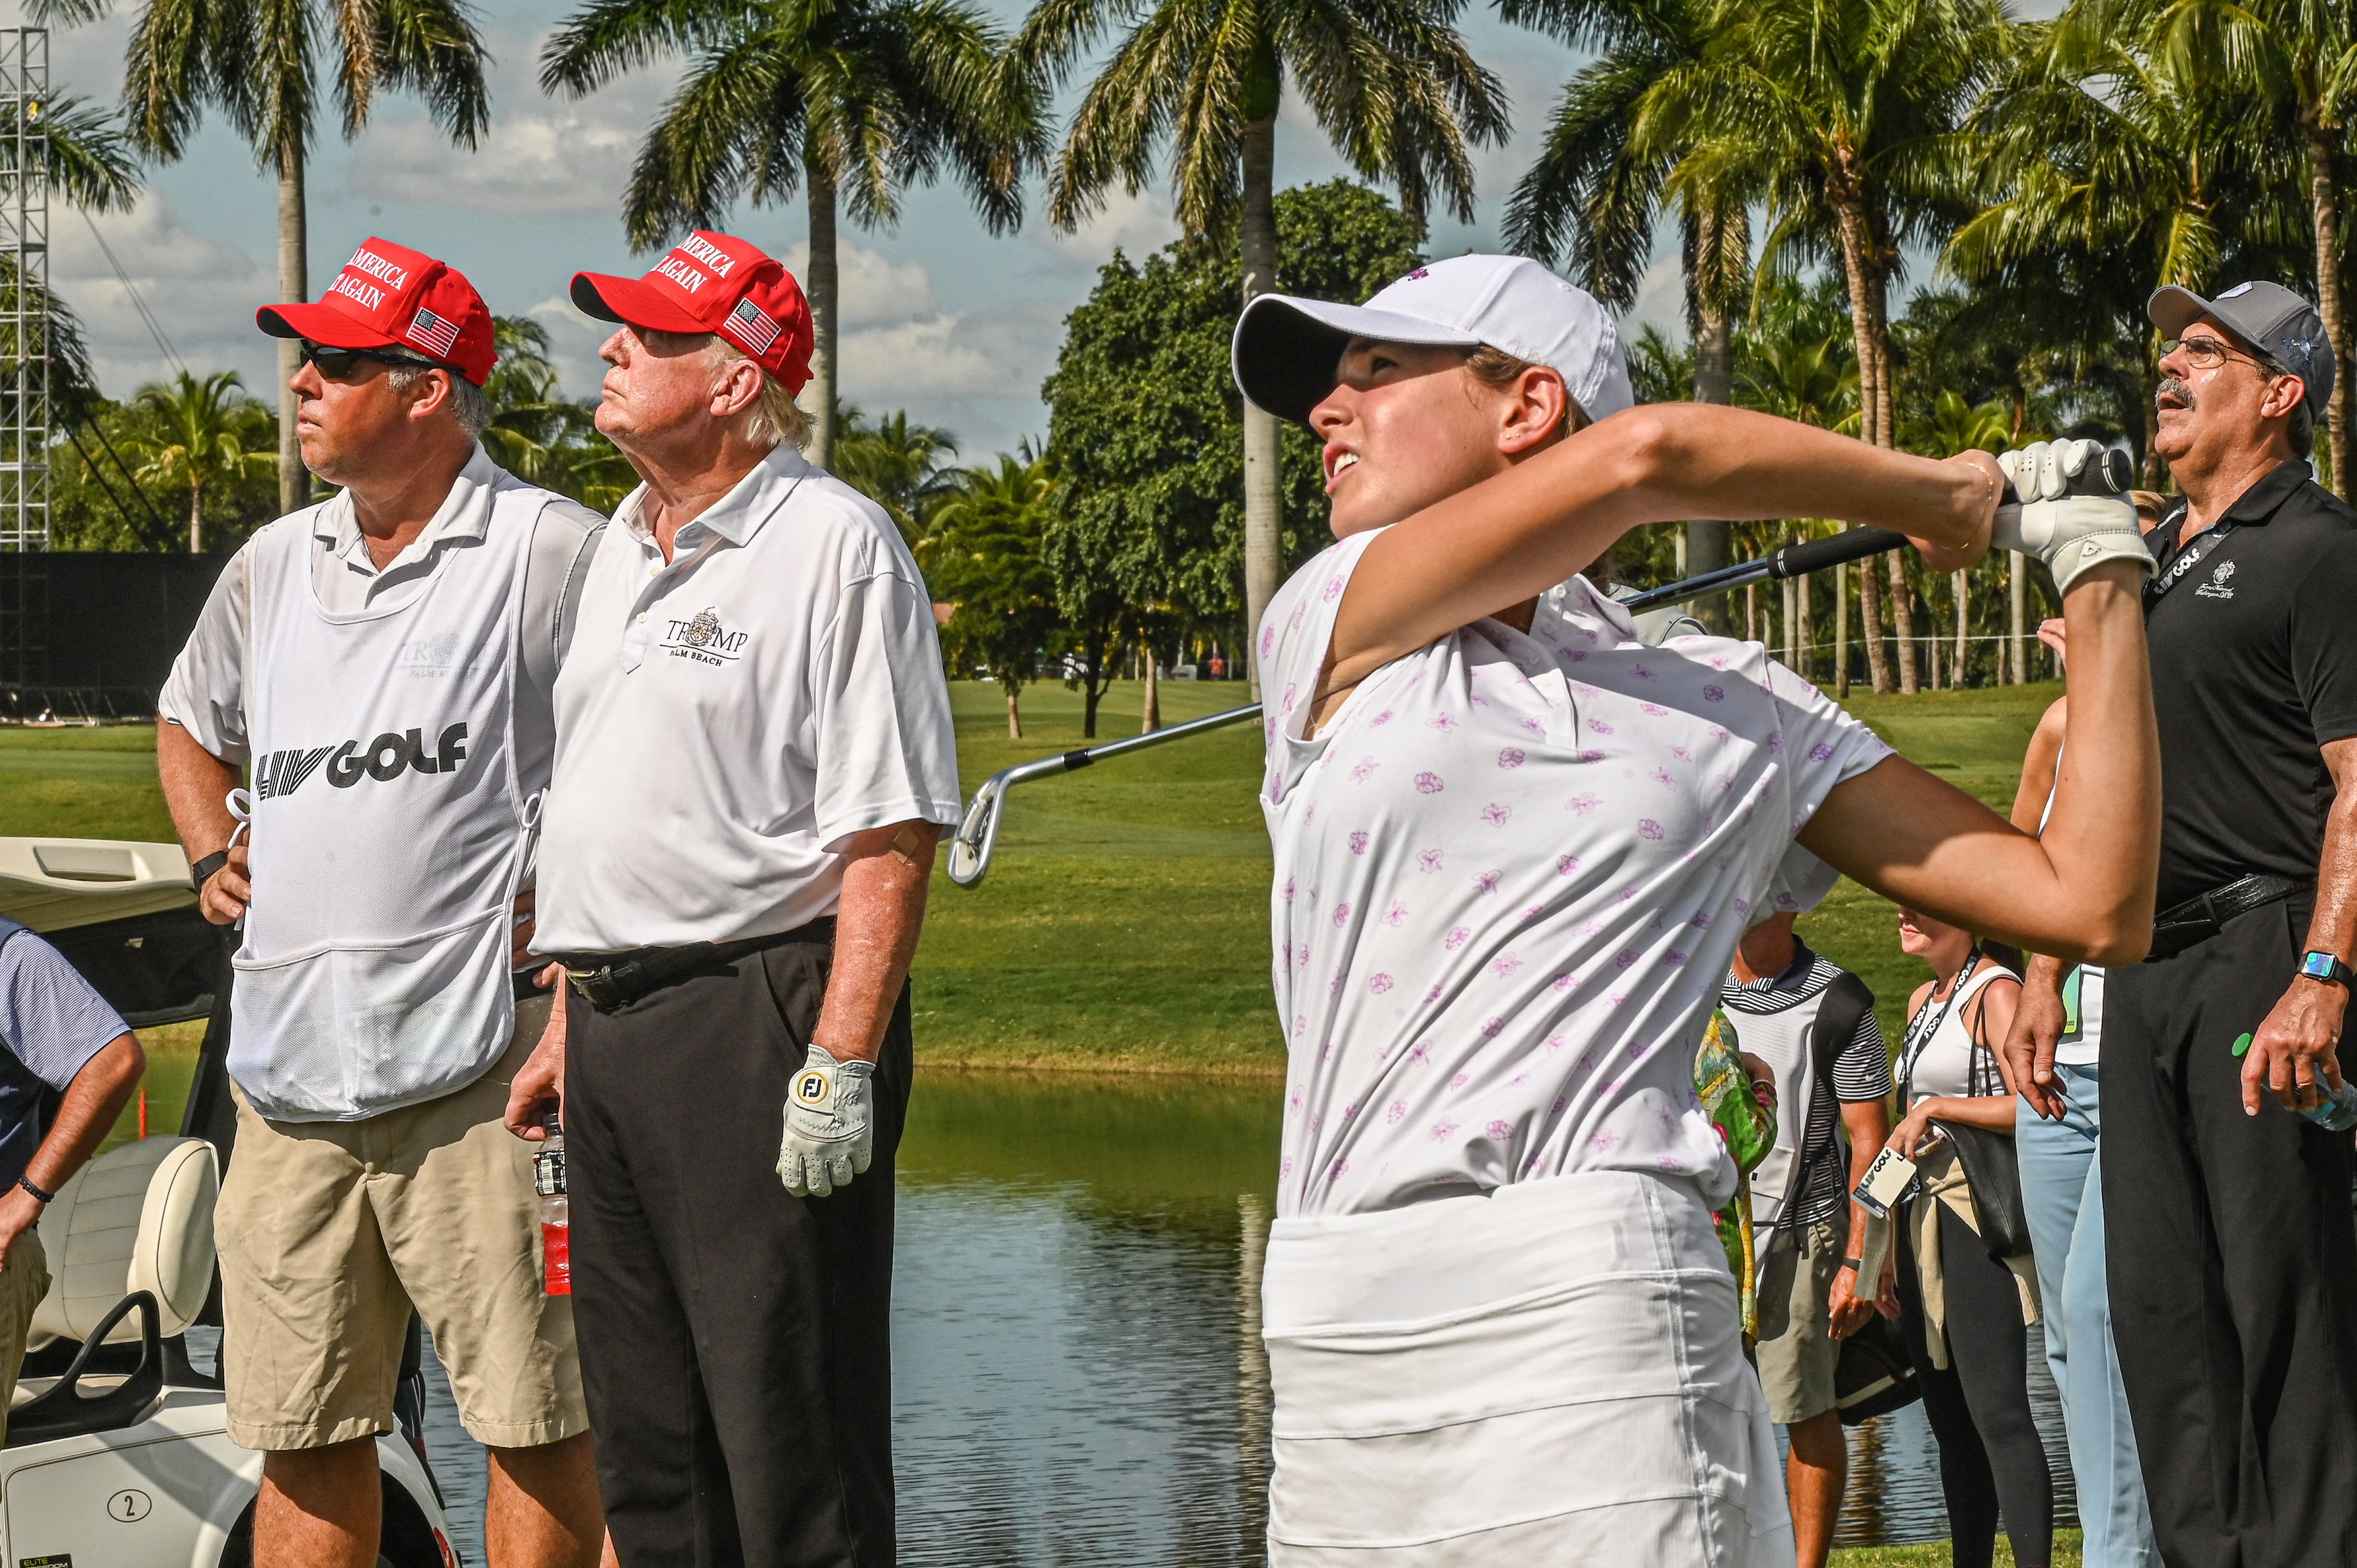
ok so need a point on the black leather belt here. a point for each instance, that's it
(610, 980)
(2198, 920)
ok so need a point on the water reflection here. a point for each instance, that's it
(1078, 1374)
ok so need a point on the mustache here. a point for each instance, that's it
(2174, 386)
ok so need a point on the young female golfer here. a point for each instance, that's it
(1514, 850)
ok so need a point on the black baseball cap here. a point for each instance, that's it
(2268, 317)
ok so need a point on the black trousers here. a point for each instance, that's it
(735, 1341)
(1991, 1461)
(2234, 1263)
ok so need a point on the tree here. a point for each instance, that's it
(2298, 56)
(259, 64)
(1847, 114)
(1597, 192)
(202, 434)
(846, 101)
(1144, 417)
(900, 467)
(1389, 81)
(988, 564)
(87, 158)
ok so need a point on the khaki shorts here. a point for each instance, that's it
(1796, 1365)
(331, 1231)
(21, 1284)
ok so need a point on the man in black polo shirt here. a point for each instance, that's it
(2232, 1256)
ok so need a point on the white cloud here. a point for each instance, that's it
(1138, 225)
(544, 155)
(1661, 302)
(871, 289)
(202, 293)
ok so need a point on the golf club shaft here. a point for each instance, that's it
(976, 838)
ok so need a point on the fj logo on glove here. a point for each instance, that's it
(810, 1086)
(2217, 586)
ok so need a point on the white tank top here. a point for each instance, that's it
(1939, 1056)
(389, 832)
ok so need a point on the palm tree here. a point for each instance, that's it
(846, 101)
(1597, 192)
(258, 62)
(900, 467)
(536, 431)
(2299, 56)
(88, 159)
(990, 563)
(200, 437)
(1846, 113)
(1389, 81)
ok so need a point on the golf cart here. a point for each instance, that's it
(117, 1454)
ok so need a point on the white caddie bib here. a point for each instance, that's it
(389, 832)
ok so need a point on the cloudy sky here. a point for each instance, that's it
(940, 317)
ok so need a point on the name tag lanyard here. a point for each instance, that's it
(2182, 567)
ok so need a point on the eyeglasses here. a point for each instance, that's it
(339, 364)
(2209, 353)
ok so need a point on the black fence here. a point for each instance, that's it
(86, 635)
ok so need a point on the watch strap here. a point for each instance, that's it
(202, 870)
(2327, 967)
(27, 1183)
(1856, 1264)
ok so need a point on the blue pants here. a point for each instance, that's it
(2064, 1195)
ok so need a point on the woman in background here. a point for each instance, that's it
(1965, 1313)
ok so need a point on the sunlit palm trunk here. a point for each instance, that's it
(2017, 611)
(2322, 200)
(293, 284)
(1014, 712)
(1707, 544)
(1263, 496)
(1149, 718)
(824, 288)
(1854, 265)
(196, 518)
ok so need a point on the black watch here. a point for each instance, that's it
(2323, 966)
(202, 872)
(1854, 1265)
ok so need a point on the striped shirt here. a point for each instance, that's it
(1773, 1018)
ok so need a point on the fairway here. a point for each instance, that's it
(1125, 922)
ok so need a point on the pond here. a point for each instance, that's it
(1077, 1370)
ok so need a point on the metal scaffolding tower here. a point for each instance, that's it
(25, 411)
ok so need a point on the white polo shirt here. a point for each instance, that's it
(727, 720)
(1510, 873)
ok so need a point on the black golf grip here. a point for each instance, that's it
(2114, 473)
(1817, 554)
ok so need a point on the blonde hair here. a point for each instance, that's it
(1497, 370)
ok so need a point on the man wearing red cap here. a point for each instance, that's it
(754, 760)
(384, 660)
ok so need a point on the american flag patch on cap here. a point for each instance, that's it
(433, 334)
(752, 327)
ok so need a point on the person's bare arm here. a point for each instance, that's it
(1520, 532)
(196, 791)
(2027, 1053)
(86, 1113)
(2038, 767)
(886, 872)
(2298, 1046)
(1868, 1123)
(1988, 1017)
(2084, 890)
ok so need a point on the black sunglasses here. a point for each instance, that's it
(338, 364)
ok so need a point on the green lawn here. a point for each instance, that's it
(1125, 923)
(1935, 1554)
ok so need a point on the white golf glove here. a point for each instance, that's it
(830, 1124)
(2069, 533)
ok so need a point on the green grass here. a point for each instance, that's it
(1125, 922)
(1935, 1554)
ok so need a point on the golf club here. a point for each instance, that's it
(977, 832)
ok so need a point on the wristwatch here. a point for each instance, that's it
(1856, 1265)
(2323, 966)
(202, 872)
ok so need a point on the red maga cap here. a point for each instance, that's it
(390, 297)
(712, 283)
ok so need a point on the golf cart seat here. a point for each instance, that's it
(137, 1218)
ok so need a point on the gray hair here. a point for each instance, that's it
(775, 419)
(469, 404)
(2301, 431)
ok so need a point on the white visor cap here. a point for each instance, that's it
(1287, 349)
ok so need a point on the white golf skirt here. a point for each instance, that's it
(1553, 1374)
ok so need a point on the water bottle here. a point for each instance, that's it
(555, 1215)
(2334, 1110)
